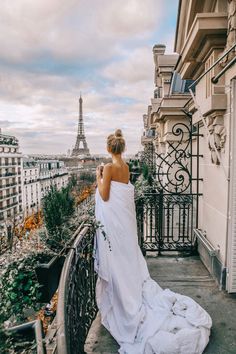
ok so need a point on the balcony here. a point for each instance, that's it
(9, 205)
(59, 174)
(8, 174)
(9, 195)
(30, 181)
(78, 329)
(8, 185)
(148, 136)
(209, 30)
(77, 326)
(155, 104)
(9, 164)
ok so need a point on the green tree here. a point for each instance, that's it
(58, 207)
(88, 177)
(145, 171)
(73, 181)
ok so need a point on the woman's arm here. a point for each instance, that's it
(105, 183)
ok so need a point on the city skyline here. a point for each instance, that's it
(51, 52)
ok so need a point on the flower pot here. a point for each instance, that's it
(48, 275)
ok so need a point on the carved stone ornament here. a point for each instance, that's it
(160, 129)
(217, 136)
(231, 33)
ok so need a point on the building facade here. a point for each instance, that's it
(31, 187)
(201, 83)
(166, 108)
(10, 183)
(51, 173)
(38, 176)
(205, 31)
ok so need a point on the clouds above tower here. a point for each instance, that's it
(52, 50)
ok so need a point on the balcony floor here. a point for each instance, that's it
(187, 276)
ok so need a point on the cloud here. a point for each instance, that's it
(129, 18)
(52, 50)
(72, 29)
(135, 66)
(5, 123)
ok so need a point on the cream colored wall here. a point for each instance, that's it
(213, 203)
(230, 74)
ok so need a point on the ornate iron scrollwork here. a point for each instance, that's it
(173, 170)
(167, 216)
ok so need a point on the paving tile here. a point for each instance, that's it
(188, 276)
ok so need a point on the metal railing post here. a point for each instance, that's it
(160, 222)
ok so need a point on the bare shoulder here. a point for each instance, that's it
(108, 166)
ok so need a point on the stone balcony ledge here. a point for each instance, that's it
(171, 106)
(207, 31)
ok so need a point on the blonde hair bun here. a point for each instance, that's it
(118, 133)
(116, 142)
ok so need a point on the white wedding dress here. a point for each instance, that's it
(139, 314)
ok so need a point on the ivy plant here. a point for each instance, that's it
(19, 288)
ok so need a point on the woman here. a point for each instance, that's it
(139, 314)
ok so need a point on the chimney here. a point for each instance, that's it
(159, 49)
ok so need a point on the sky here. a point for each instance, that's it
(51, 50)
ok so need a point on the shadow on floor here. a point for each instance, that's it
(187, 276)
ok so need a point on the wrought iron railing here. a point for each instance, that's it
(76, 295)
(166, 222)
(168, 213)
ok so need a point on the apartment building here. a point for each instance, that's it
(51, 173)
(39, 175)
(10, 182)
(31, 187)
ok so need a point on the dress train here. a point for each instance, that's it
(139, 314)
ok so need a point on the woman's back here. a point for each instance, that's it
(120, 172)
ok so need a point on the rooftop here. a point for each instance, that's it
(8, 140)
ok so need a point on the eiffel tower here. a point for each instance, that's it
(84, 150)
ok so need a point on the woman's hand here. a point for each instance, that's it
(99, 172)
(104, 173)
